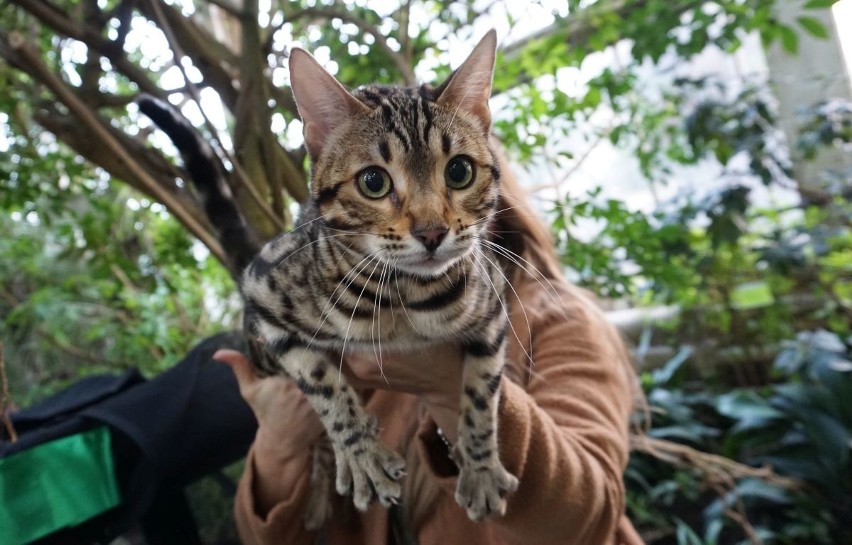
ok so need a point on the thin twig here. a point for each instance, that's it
(737, 511)
(65, 25)
(398, 58)
(556, 184)
(73, 350)
(6, 400)
(196, 97)
(29, 55)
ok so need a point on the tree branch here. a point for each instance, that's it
(262, 156)
(405, 43)
(193, 91)
(69, 130)
(227, 7)
(215, 61)
(714, 466)
(62, 24)
(28, 56)
(578, 27)
(124, 13)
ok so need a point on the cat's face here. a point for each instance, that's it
(416, 182)
(403, 176)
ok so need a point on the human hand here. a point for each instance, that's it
(434, 374)
(287, 425)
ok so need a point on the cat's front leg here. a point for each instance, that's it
(483, 484)
(365, 468)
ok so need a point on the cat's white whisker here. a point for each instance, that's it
(520, 304)
(484, 272)
(354, 271)
(527, 267)
(466, 258)
(297, 250)
(378, 305)
(307, 223)
(402, 303)
(352, 317)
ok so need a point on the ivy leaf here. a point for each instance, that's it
(813, 26)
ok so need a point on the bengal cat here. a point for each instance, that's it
(391, 252)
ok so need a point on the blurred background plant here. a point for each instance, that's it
(685, 182)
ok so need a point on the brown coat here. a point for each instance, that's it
(562, 428)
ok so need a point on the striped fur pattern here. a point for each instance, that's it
(395, 272)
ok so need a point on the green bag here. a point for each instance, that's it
(56, 484)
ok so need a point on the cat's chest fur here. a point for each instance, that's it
(328, 296)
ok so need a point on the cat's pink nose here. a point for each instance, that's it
(431, 238)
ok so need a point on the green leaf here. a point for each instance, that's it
(819, 4)
(751, 295)
(744, 404)
(813, 26)
(789, 40)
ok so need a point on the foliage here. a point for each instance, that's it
(800, 426)
(211, 500)
(94, 277)
(718, 251)
(111, 262)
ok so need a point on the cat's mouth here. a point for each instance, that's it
(427, 265)
(431, 261)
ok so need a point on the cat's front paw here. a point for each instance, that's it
(370, 471)
(483, 490)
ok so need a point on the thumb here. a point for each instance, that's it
(239, 364)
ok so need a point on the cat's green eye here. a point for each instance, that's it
(459, 172)
(374, 182)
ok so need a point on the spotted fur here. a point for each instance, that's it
(400, 272)
(370, 275)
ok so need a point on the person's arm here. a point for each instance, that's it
(564, 436)
(272, 494)
(271, 497)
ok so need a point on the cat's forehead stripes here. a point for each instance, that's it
(408, 133)
(407, 121)
(446, 143)
(406, 113)
(384, 150)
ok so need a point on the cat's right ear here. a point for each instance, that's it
(323, 103)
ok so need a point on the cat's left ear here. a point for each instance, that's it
(323, 103)
(469, 87)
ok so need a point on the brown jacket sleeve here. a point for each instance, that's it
(283, 524)
(564, 435)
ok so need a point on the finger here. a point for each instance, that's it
(369, 367)
(360, 376)
(239, 364)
